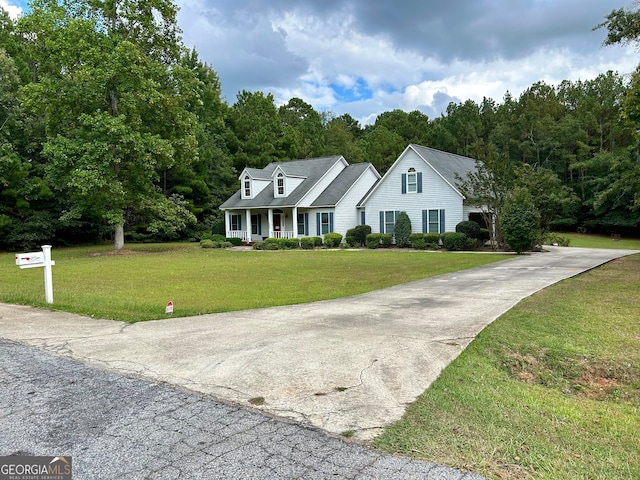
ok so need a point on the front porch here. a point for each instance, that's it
(258, 224)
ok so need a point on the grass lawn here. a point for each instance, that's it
(549, 390)
(588, 240)
(137, 285)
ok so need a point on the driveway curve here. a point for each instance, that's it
(350, 364)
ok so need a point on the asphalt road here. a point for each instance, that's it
(119, 427)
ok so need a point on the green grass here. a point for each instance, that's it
(549, 390)
(589, 240)
(136, 286)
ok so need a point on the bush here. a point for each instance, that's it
(308, 243)
(485, 235)
(455, 242)
(520, 221)
(402, 230)
(293, 243)
(373, 240)
(317, 241)
(258, 246)
(432, 239)
(235, 241)
(332, 240)
(386, 239)
(420, 244)
(415, 237)
(470, 228)
(361, 232)
(553, 238)
(207, 243)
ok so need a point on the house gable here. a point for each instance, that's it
(421, 182)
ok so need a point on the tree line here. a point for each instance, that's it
(111, 129)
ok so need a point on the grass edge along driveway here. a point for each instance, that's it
(549, 390)
(135, 285)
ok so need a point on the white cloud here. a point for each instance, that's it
(13, 11)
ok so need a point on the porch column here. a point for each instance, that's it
(270, 221)
(248, 220)
(294, 214)
(227, 223)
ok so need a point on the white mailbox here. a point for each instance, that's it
(40, 259)
(33, 259)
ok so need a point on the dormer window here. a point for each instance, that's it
(247, 187)
(412, 181)
(280, 184)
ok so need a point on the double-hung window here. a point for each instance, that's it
(236, 221)
(303, 222)
(256, 224)
(433, 221)
(324, 223)
(280, 184)
(388, 221)
(412, 181)
(247, 187)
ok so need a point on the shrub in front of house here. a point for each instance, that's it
(293, 243)
(373, 240)
(456, 242)
(420, 244)
(402, 230)
(258, 246)
(361, 232)
(236, 242)
(485, 235)
(307, 243)
(432, 239)
(416, 236)
(332, 240)
(207, 243)
(350, 238)
(317, 241)
(470, 228)
(386, 239)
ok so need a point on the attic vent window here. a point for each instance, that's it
(247, 186)
(412, 181)
(280, 183)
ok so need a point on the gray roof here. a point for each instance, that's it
(311, 169)
(339, 187)
(447, 164)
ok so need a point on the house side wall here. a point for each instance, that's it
(436, 194)
(320, 187)
(346, 214)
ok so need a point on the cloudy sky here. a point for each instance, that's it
(364, 57)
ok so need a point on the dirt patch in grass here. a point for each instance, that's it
(595, 379)
(114, 252)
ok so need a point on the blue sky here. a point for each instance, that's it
(365, 57)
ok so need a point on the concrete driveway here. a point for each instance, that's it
(351, 364)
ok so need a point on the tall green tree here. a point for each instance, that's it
(115, 111)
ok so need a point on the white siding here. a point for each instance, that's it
(324, 182)
(436, 194)
(346, 214)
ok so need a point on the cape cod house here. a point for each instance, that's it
(316, 196)
(299, 198)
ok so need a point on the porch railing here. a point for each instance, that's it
(238, 234)
(282, 234)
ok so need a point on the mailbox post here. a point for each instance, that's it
(40, 259)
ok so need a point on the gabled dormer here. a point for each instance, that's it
(252, 182)
(284, 183)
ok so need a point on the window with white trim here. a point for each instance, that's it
(412, 181)
(247, 186)
(302, 223)
(389, 221)
(280, 184)
(256, 224)
(236, 221)
(324, 223)
(433, 225)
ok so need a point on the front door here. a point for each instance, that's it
(277, 224)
